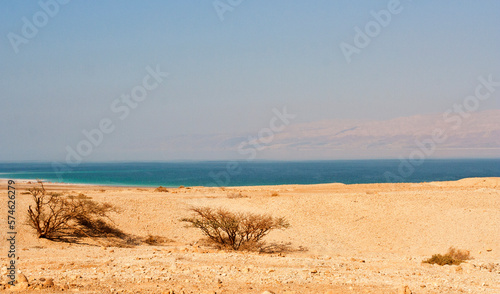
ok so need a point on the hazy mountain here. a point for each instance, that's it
(473, 135)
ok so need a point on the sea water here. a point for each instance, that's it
(242, 173)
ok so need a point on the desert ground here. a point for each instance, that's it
(365, 238)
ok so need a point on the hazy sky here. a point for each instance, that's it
(228, 68)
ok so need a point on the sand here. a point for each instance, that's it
(368, 238)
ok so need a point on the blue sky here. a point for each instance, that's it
(226, 76)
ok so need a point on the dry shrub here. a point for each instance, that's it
(155, 240)
(234, 230)
(274, 194)
(459, 254)
(452, 257)
(54, 215)
(90, 218)
(161, 189)
(80, 196)
(50, 213)
(236, 195)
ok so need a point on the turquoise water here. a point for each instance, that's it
(223, 173)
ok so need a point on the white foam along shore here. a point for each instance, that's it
(34, 181)
(63, 184)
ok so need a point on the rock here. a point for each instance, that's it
(173, 267)
(267, 292)
(404, 290)
(489, 249)
(21, 278)
(48, 283)
(490, 267)
(314, 271)
(22, 282)
(20, 286)
(467, 266)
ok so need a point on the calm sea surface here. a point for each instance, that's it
(223, 173)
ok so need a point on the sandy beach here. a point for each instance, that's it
(364, 238)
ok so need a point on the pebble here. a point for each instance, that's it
(404, 290)
(21, 278)
(48, 283)
(21, 286)
(22, 282)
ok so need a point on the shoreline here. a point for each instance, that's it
(65, 184)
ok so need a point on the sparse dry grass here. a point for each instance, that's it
(80, 196)
(234, 195)
(452, 257)
(155, 240)
(161, 189)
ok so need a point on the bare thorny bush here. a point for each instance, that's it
(234, 230)
(54, 215)
(452, 257)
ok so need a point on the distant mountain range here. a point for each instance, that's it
(474, 134)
